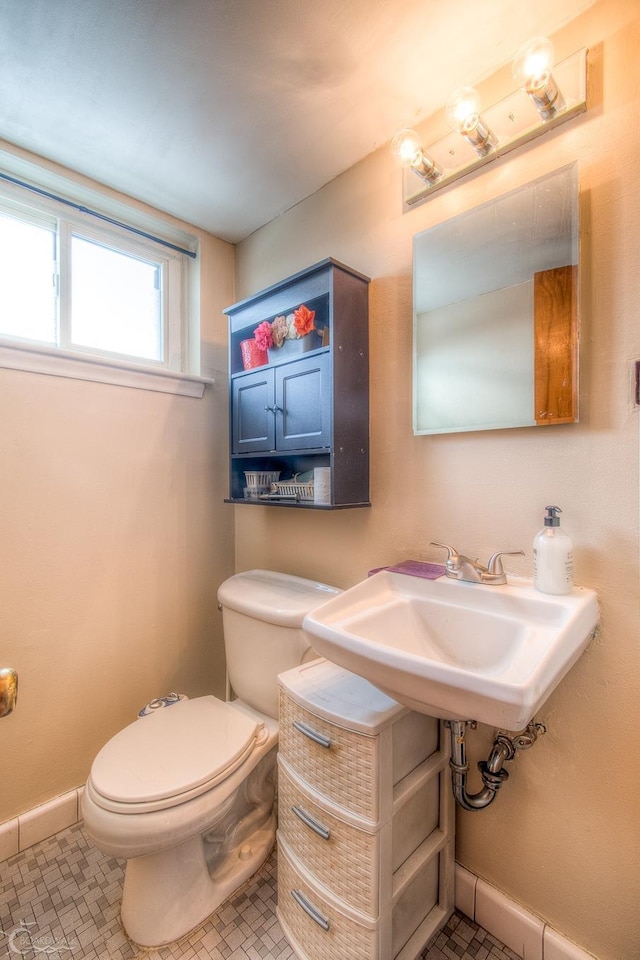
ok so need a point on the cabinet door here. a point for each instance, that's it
(253, 427)
(303, 403)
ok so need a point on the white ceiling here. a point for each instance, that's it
(226, 113)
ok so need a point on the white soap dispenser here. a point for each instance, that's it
(553, 557)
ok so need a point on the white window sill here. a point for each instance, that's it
(61, 363)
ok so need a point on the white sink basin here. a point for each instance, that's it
(456, 650)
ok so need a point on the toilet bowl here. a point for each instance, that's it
(186, 794)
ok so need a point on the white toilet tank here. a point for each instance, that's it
(262, 613)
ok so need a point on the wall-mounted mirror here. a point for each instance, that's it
(495, 293)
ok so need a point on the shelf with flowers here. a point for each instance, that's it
(287, 335)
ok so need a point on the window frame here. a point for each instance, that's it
(66, 359)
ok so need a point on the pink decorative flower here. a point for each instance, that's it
(262, 335)
(303, 320)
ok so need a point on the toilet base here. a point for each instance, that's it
(168, 894)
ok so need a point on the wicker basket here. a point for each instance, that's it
(293, 489)
(260, 481)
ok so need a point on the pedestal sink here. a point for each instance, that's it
(453, 649)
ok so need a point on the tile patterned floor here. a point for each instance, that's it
(61, 898)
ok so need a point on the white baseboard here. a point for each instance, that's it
(527, 935)
(39, 823)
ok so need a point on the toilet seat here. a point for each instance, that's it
(173, 755)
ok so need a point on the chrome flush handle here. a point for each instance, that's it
(8, 691)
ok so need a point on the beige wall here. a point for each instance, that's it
(564, 836)
(113, 539)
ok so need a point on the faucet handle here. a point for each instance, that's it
(495, 562)
(451, 551)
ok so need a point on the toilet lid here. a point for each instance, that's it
(173, 754)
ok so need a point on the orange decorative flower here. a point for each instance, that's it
(303, 320)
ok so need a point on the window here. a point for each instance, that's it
(75, 286)
(116, 301)
(27, 271)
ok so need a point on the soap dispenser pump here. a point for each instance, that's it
(553, 556)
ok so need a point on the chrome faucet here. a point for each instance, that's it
(460, 567)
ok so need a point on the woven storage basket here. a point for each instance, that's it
(347, 771)
(260, 480)
(291, 488)
(344, 940)
(345, 862)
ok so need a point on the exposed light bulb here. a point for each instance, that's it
(407, 150)
(406, 147)
(532, 71)
(463, 116)
(463, 108)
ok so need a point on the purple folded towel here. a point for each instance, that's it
(415, 568)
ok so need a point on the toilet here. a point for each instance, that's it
(186, 794)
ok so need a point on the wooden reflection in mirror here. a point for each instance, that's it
(555, 323)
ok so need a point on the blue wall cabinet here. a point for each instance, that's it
(307, 404)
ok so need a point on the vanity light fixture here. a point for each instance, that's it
(408, 151)
(463, 115)
(547, 96)
(532, 71)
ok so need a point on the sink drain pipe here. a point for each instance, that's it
(491, 770)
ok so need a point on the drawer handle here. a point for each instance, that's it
(309, 909)
(312, 734)
(309, 821)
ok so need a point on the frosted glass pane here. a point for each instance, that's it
(115, 301)
(27, 291)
